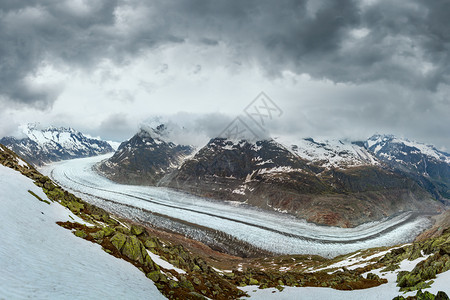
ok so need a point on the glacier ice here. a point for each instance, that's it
(271, 231)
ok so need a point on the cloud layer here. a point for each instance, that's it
(400, 48)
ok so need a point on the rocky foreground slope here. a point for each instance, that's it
(54, 144)
(180, 274)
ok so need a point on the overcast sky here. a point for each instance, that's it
(344, 69)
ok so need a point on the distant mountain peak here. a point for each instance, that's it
(153, 132)
(146, 157)
(424, 163)
(390, 143)
(40, 146)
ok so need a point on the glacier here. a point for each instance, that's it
(271, 231)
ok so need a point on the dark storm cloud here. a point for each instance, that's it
(344, 41)
(407, 43)
(62, 32)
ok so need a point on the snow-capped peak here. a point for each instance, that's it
(53, 144)
(380, 143)
(333, 153)
(51, 134)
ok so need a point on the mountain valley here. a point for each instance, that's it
(337, 183)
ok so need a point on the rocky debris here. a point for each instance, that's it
(11, 160)
(425, 296)
(199, 280)
(434, 252)
(438, 261)
(342, 280)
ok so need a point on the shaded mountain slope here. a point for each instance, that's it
(144, 159)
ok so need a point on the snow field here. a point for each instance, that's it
(42, 260)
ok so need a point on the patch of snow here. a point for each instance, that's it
(240, 190)
(385, 291)
(163, 263)
(249, 177)
(280, 169)
(377, 148)
(42, 260)
(409, 265)
(21, 162)
(222, 271)
(269, 161)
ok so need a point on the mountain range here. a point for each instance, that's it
(423, 163)
(53, 144)
(51, 220)
(333, 182)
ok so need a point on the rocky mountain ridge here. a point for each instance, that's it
(423, 163)
(54, 144)
(268, 175)
(145, 158)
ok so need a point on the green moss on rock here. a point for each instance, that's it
(80, 233)
(187, 284)
(137, 230)
(154, 276)
(151, 243)
(133, 249)
(98, 235)
(118, 240)
(75, 207)
(108, 231)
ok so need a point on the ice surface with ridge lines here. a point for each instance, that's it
(271, 231)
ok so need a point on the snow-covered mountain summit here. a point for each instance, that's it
(240, 159)
(392, 148)
(54, 144)
(424, 163)
(331, 153)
